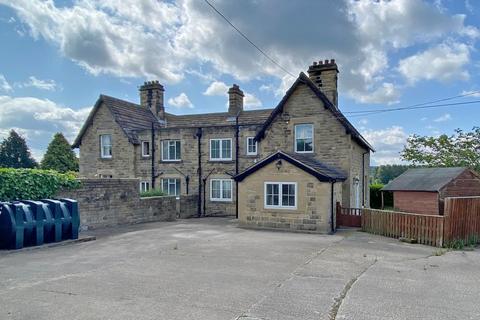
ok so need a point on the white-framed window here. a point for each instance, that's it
(304, 138)
(221, 190)
(171, 186)
(220, 149)
(251, 146)
(106, 146)
(171, 150)
(105, 176)
(144, 186)
(280, 195)
(145, 148)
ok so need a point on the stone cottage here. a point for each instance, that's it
(318, 155)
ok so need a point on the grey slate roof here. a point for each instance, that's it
(216, 119)
(319, 166)
(132, 118)
(309, 164)
(129, 116)
(424, 179)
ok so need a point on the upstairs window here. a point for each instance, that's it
(171, 150)
(106, 146)
(171, 186)
(281, 195)
(220, 149)
(221, 190)
(145, 149)
(251, 146)
(144, 186)
(304, 138)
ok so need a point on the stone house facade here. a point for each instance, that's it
(202, 153)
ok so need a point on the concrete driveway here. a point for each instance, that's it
(210, 269)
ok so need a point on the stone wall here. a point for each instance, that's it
(110, 202)
(313, 208)
(332, 145)
(121, 164)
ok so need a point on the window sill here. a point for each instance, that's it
(145, 157)
(171, 161)
(281, 208)
(105, 159)
(221, 161)
(221, 201)
(305, 152)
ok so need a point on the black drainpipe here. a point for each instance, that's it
(153, 155)
(204, 180)
(236, 164)
(363, 178)
(332, 227)
(199, 200)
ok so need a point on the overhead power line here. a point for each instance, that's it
(416, 105)
(368, 113)
(249, 41)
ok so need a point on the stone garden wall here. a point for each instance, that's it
(110, 202)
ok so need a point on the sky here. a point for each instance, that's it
(57, 57)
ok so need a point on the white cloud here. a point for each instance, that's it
(49, 85)
(388, 142)
(4, 85)
(180, 101)
(444, 62)
(363, 121)
(219, 88)
(168, 39)
(251, 102)
(216, 88)
(39, 119)
(471, 93)
(443, 118)
(385, 94)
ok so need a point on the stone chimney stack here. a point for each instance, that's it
(235, 100)
(151, 97)
(324, 75)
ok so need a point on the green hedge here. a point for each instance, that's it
(152, 193)
(33, 184)
(376, 197)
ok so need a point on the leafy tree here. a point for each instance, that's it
(59, 155)
(461, 149)
(386, 173)
(14, 152)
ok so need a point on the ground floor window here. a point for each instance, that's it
(171, 186)
(221, 189)
(281, 195)
(144, 186)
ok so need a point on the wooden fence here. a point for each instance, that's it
(425, 229)
(461, 222)
(462, 219)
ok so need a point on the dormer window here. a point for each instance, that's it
(304, 138)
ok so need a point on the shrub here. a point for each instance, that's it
(152, 193)
(376, 196)
(33, 184)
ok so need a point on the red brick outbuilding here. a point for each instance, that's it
(424, 190)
